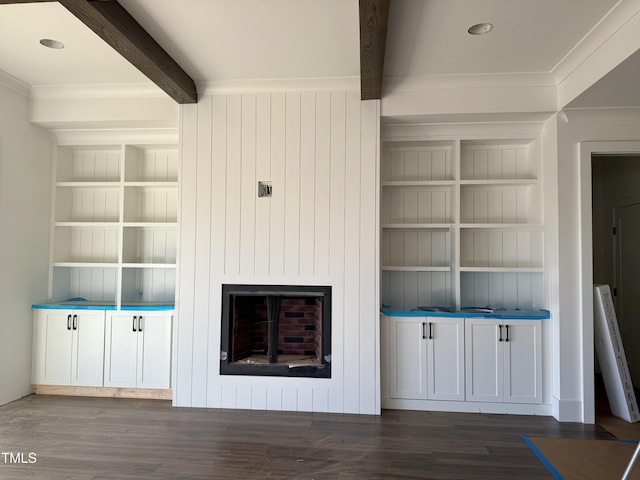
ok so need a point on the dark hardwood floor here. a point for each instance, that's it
(77, 438)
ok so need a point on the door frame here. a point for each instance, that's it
(586, 151)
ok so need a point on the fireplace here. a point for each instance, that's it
(276, 330)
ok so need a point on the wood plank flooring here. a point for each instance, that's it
(76, 438)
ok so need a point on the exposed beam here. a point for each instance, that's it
(374, 15)
(111, 22)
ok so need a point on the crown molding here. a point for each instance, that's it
(12, 83)
(619, 15)
(349, 84)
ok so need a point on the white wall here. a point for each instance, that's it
(25, 182)
(320, 150)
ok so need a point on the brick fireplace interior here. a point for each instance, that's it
(276, 330)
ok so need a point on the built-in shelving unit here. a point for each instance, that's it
(114, 223)
(461, 224)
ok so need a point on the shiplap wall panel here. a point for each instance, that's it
(496, 162)
(233, 184)
(263, 173)
(274, 398)
(201, 349)
(369, 364)
(249, 186)
(218, 208)
(278, 166)
(352, 309)
(307, 181)
(504, 205)
(292, 182)
(319, 150)
(323, 171)
(289, 398)
(502, 290)
(337, 241)
(184, 330)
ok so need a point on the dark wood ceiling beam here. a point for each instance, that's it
(374, 16)
(111, 22)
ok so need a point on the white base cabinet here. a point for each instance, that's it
(426, 358)
(504, 361)
(462, 364)
(138, 352)
(68, 347)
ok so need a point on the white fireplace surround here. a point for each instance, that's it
(320, 152)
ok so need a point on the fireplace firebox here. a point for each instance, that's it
(276, 330)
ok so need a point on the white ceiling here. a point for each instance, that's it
(529, 36)
(228, 40)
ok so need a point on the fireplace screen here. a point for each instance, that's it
(276, 330)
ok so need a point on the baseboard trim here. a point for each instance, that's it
(148, 393)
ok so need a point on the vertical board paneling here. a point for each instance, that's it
(229, 396)
(369, 320)
(218, 236)
(278, 150)
(305, 399)
(263, 173)
(323, 174)
(292, 181)
(337, 239)
(233, 184)
(185, 295)
(249, 186)
(243, 397)
(351, 315)
(320, 400)
(321, 222)
(259, 397)
(307, 181)
(290, 399)
(203, 252)
(274, 398)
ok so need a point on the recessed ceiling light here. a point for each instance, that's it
(480, 28)
(47, 42)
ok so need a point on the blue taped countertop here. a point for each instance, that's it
(512, 314)
(87, 305)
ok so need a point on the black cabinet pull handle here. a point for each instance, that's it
(430, 330)
(75, 322)
(134, 323)
(500, 339)
(424, 330)
(68, 322)
(507, 339)
(140, 323)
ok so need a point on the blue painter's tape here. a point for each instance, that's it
(542, 458)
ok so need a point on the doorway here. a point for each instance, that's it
(610, 197)
(589, 241)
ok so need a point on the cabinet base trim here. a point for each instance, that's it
(148, 393)
(467, 407)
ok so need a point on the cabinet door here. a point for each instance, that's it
(154, 351)
(87, 359)
(121, 346)
(52, 347)
(445, 358)
(407, 358)
(523, 362)
(484, 360)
